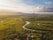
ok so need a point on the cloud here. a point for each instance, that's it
(19, 6)
(48, 8)
(41, 8)
(14, 5)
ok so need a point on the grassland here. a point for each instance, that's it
(42, 24)
(11, 27)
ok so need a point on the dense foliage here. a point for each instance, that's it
(43, 25)
(11, 27)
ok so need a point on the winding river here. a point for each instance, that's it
(24, 26)
(37, 30)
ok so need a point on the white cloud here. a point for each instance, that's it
(15, 5)
(18, 6)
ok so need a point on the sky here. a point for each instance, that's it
(27, 6)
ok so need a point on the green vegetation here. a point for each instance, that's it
(11, 27)
(43, 25)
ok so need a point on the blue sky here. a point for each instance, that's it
(27, 6)
(37, 2)
(34, 2)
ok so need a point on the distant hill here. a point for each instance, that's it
(6, 12)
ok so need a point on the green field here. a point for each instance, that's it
(11, 27)
(44, 25)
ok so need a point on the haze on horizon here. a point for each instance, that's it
(27, 6)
